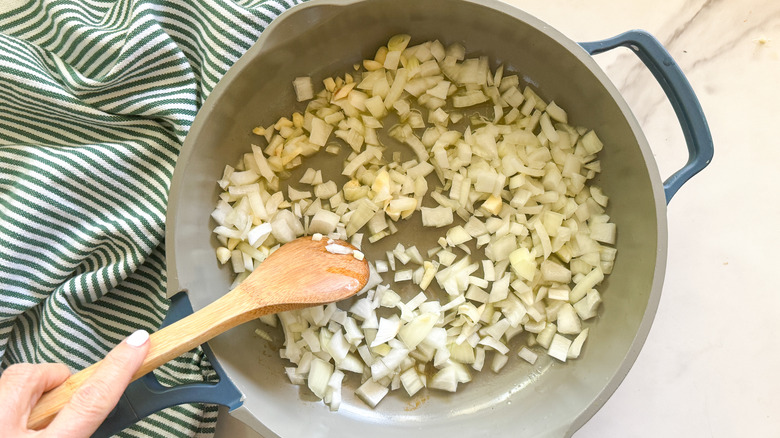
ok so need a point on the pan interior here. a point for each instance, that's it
(321, 40)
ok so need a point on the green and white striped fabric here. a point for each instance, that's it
(96, 97)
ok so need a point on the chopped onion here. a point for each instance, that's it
(587, 283)
(320, 132)
(499, 360)
(576, 344)
(528, 355)
(223, 254)
(304, 90)
(587, 306)
(559, 347)
(411, 381)
(417, 330)
(324, 222)
(568, 321)
(319, 375)
(436, 217)
(523, 263)
(511, 181)
(388, 329)
(371, 392)
(335, 248)
(446, 379)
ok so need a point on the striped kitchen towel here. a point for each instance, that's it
(96, 97)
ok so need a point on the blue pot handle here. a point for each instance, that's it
(146, 395)
(679, 92)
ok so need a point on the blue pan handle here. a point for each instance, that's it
(679, 92)
(146, 395)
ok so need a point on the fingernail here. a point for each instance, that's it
(138, 338)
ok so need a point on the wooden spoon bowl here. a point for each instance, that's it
(301, 273)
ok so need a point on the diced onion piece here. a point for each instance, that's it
(412, 333)
(414, 255)
(326, 190)
(388, 328)
(457, 235)
(312, 340)
(392, 59)
(324, 222)
(371, 392)
(334, 389)
(548, 129)
(263, 334)
(338, 347)
(428, 275)
(237, 261)
(499, 360)
(295, 378)
(258, 234)
(223, 255)
(227, 232)
(285, 227)
(494, 344)
(587, 283)
(555, 293)
(493, 204)
(559, 347)
(586, 307)
(319, 375)
(320, 132)
(446, 257)
(396, 88)
(446, 379)
(568, 322)
(500, 289)
(576, 344)
(411, 381)
(469, 98)
(437, 216)
(554, 272)
(545, 337)
(528, 355)
(376, 106)
(591, 143)
(262, 163)
(603, 232)
(544, 238)
(404, 275)
(598, 196)
(523, 263)
(304, 90)
(335, 248)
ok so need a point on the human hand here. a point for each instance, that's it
(21, 386)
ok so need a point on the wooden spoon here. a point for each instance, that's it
(299, 274)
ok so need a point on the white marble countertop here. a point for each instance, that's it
(708, 368)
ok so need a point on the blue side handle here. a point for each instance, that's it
(679, 92)
(146, 395)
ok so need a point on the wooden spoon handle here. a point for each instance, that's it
(168, 343)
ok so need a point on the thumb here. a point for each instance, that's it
(95, 399)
